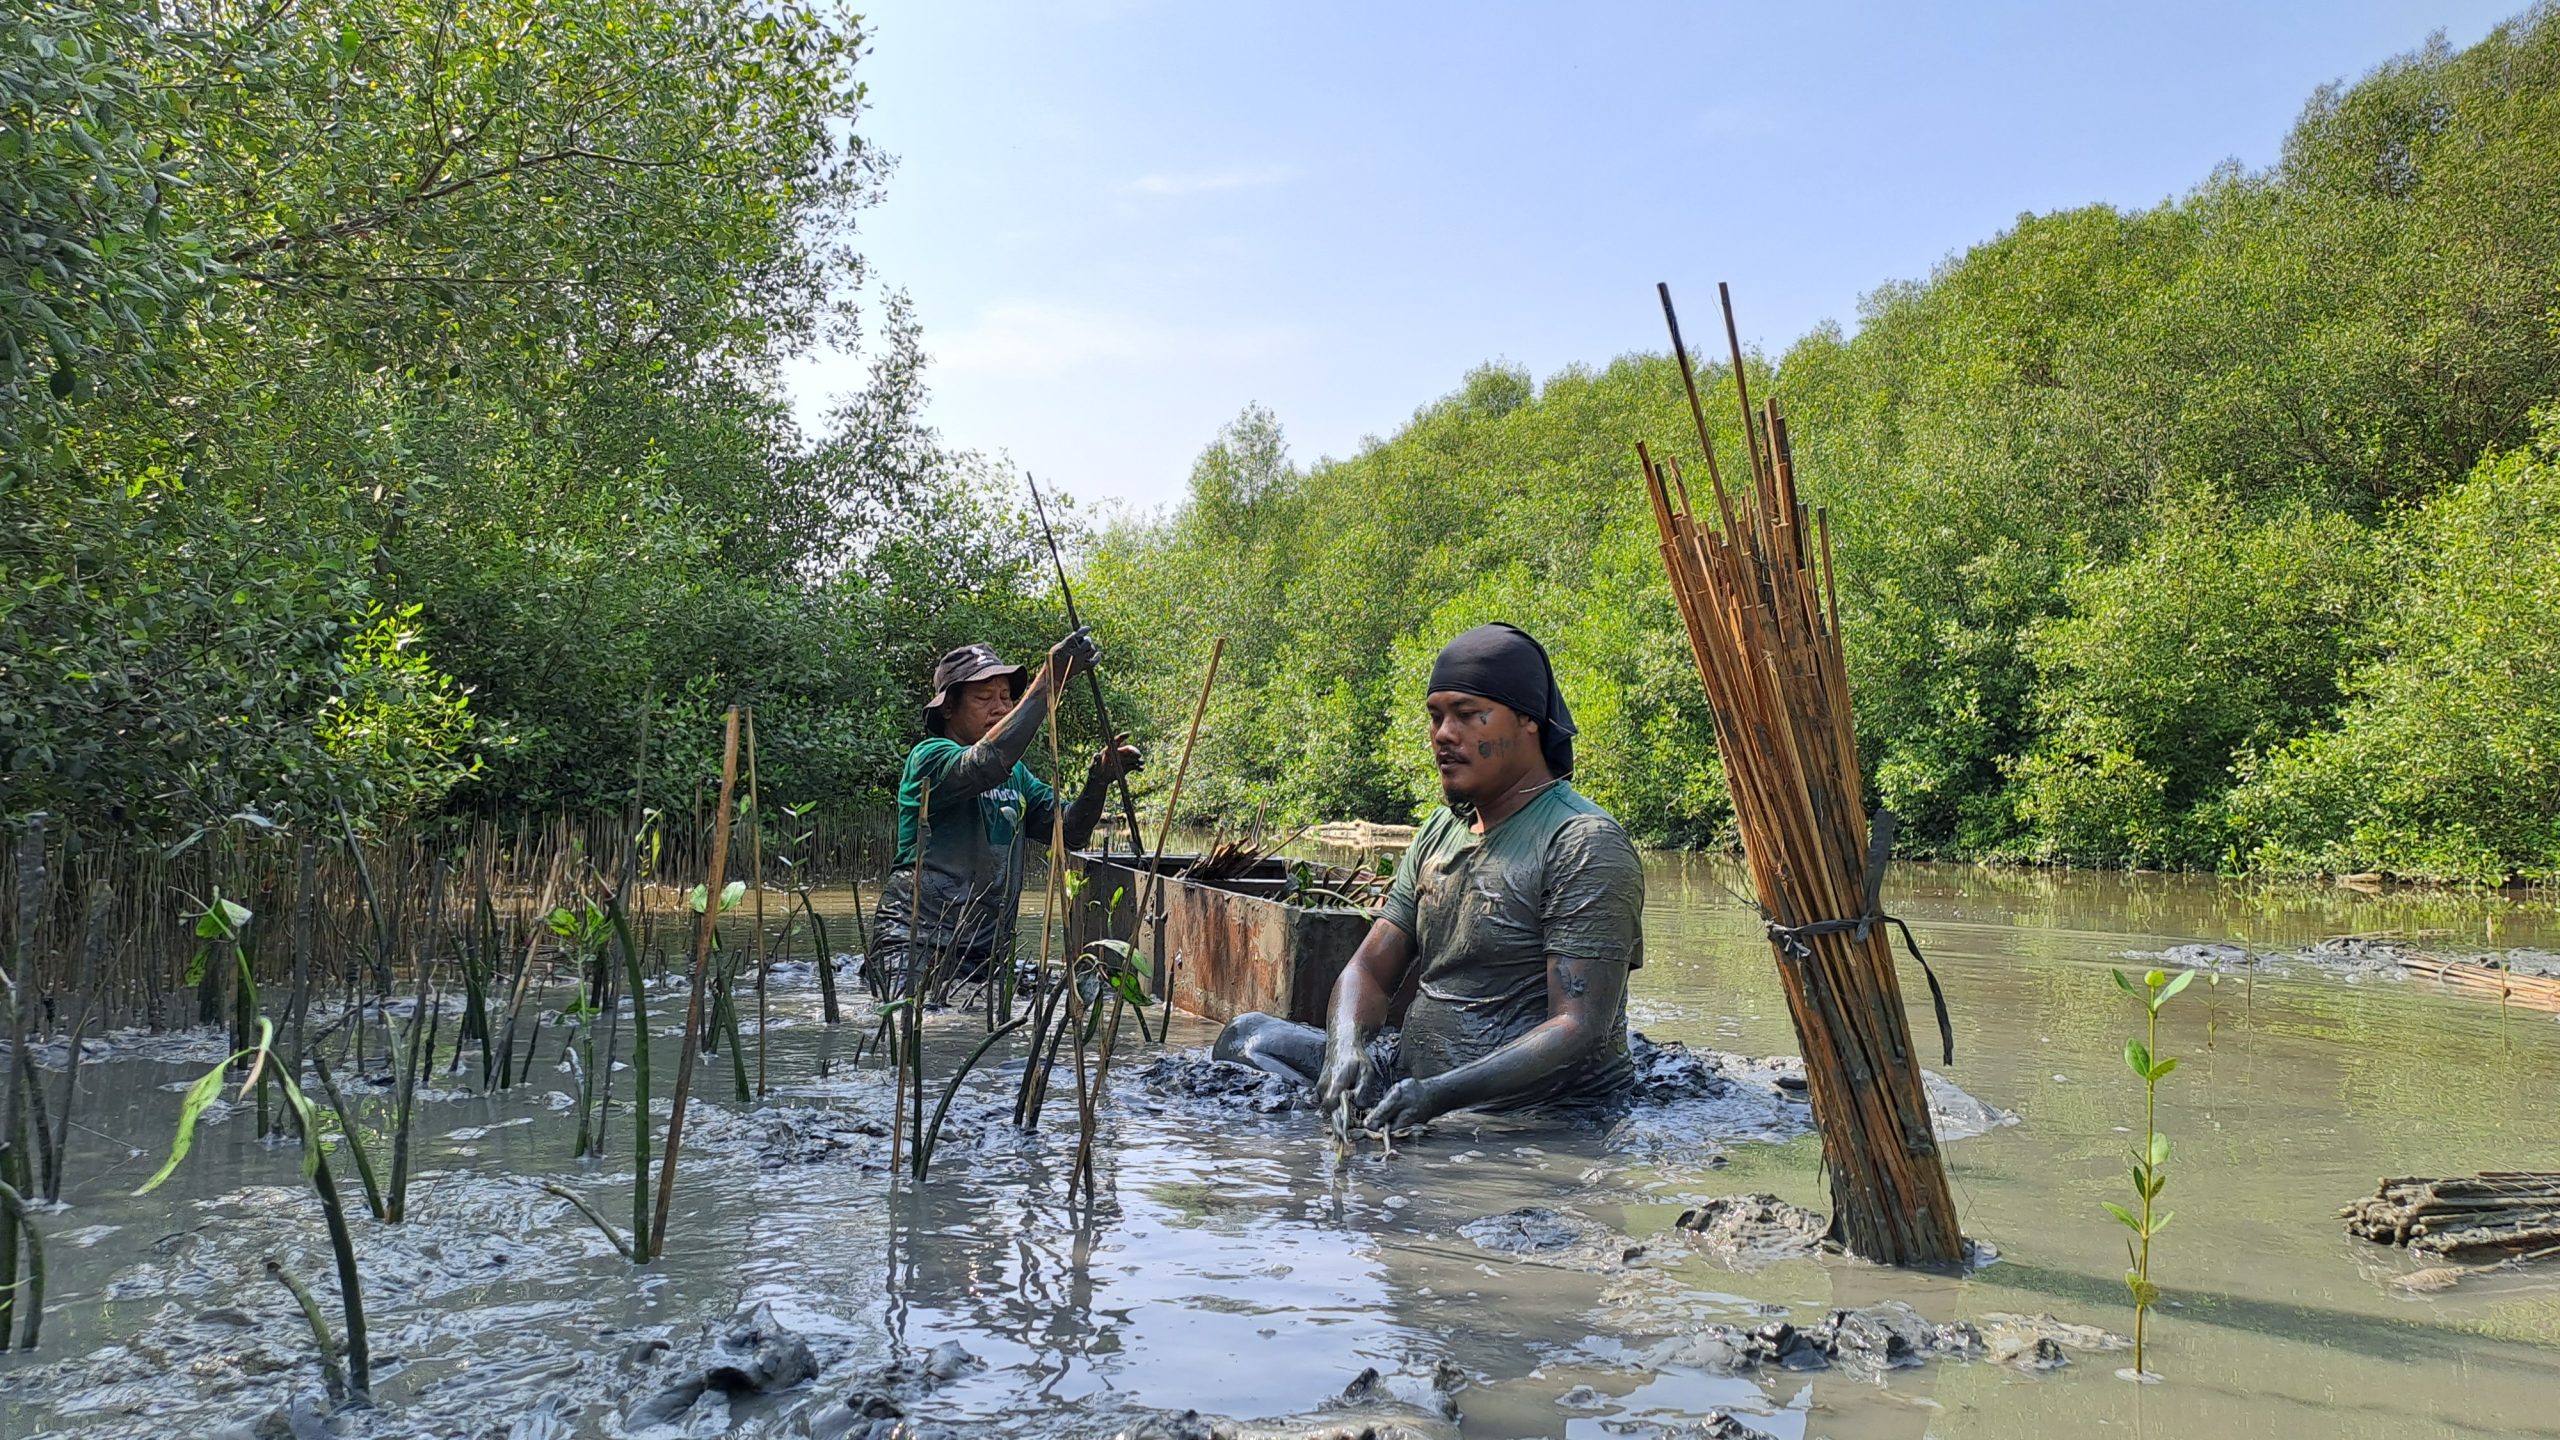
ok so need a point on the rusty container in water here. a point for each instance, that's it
(1229, 945)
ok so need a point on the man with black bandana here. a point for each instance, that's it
(1521, 901)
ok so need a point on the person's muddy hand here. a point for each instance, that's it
(1122, 758)
(1406, 1106)
(1348, 1080)
(1073, 656)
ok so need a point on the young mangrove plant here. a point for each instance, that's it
(790, 853)
(723, 1027)
(642, 1241)
(586, 931)
(2151, 1158)
(315, 1169)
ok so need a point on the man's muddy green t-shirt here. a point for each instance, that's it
(1557, 878)
(972, 858)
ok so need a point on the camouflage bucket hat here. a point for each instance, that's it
(962, 666)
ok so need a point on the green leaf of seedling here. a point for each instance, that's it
(2141, 1178)
(2161, 1221)
(1126, 982)
(2124, 1216)
(2138, 1056)
(732, 893)
(1121, 950)
(2125, 984)
(190, 1110)
(2159, 1150)
(2160, 1070)
(697, 897)
(2159, 1182)
(2184, 979)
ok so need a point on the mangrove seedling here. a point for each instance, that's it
(723, 1029)
(642, 1246)
(789, 853)
(2151, 1159)
(315, 1169)
(586, 930)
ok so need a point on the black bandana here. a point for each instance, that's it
(1502, 664)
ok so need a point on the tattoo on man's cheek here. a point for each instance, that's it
(1487, 749)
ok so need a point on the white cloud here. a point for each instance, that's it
(1040, 337)
(1202, 182)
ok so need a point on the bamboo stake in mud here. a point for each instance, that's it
(755, 882)
(692, 1038)
(1153, 907)
(1758, 603)
(910, 984)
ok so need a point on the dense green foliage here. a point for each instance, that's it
(389, 409)
(2155, 539)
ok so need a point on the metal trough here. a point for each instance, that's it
(1228, 946)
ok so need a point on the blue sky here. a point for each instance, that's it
(1122, 222)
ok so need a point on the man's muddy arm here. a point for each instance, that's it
(1582, 1000)
(1359, 1007)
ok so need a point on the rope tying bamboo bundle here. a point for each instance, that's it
(1756, 591)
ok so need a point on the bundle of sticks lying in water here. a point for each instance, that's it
(2495, 1212)
(2533, 992)
(1754, 585)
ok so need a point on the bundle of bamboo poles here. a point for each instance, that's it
(2495, 1212)
(1755, 588)
(2533, 992)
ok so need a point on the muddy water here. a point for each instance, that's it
(1236, 1265)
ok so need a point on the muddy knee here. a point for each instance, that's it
(1267, 1042)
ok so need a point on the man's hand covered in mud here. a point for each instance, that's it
(1405, 1107)
(1349, 1080)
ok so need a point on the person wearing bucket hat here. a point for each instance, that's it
(1521, 903)
(948, 905)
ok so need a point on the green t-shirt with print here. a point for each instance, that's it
(1557, 878)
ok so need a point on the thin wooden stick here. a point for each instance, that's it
(692, 1038)
(1154, 904)
(755, 882)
